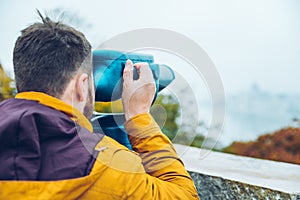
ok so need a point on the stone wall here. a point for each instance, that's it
(224, 176)
(217, 188)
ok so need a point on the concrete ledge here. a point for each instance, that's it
(224, 176)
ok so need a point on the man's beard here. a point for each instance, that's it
(89, 106)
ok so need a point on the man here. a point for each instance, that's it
(47, 148)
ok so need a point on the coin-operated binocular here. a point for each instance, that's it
(108, 69)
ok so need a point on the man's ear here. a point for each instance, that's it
(82, 86)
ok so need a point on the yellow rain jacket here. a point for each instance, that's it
(153, 171)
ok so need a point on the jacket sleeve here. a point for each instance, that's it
(168, 177)
(153, 171)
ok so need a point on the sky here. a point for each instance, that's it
(250, 41)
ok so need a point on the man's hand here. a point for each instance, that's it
(138, 94)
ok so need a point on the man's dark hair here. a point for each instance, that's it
(47, 55)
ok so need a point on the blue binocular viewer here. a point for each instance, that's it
(108, 66)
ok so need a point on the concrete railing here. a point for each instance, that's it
(225, 176)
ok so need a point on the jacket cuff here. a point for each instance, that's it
(141, 126)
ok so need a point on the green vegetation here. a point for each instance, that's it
(7, 89)
(165, 111)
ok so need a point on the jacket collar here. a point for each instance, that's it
(57, 104)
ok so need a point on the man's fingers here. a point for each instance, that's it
(128, 72)
(144, 70)
(139, 65)
(146, 73)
